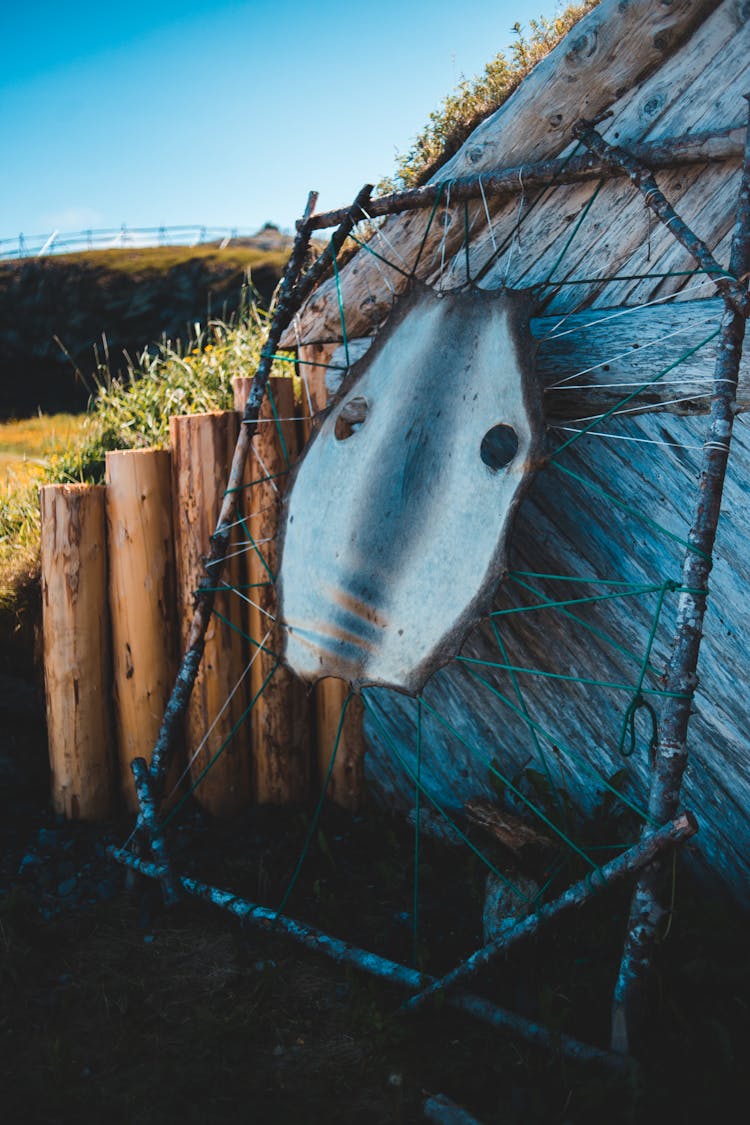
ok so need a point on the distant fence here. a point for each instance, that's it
(55, 242)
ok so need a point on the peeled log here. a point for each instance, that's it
(281, 713)
(75, 630)
(141, 601)
(202, 447)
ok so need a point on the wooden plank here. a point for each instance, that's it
(582, 76)
(76, 646)
(346, 782)
(281, 713)
(141, 601)
(202, 446)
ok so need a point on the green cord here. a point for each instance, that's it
(318, 809)
(634, 394)
(433, 801)
(427, 229)
(366, 246)
(212, 762)
(417, 810)
(573, 233)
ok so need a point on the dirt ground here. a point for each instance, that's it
(113, 1009)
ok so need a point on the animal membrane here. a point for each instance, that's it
(397, 521)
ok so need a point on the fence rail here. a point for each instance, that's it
(57, 242)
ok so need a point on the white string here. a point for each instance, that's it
(516, 233)
(384, 277)
(249, 516)
(445, 234)
(221, 711)
(301, 364)
(245, 548)
(626, 437)
(487, 213)
(384, 238)
(703, 379)
(234, 590)
(630, 309)
(628, 352)
(268, 476)
(643, 409)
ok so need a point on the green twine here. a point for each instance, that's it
(573, 233)
(634, 394)
(433, 801)
(423, 243)
(636, 704)
(417, 810)
(316, 815)
(517, 792)
(381, 257)
(341, 306)
(631, 511)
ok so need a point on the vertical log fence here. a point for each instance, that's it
(120, 567)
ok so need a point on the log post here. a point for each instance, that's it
(217, 738)
(141, 601)
(346, 783)
(75, 629)
(281, 712)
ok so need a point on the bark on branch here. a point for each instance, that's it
(617, 159)
(634, 859)
(648, 907)
(698, 148)
(391, 971)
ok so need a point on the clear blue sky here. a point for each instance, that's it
(221, 113)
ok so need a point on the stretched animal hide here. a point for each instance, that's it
(396, 524)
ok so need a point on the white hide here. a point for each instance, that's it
(395, 529)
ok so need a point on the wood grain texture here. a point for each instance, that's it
(76, 644)
(141, 601)
(584, 75)
(281, 716)
(346, 782)
(202, 446)
(632, 489)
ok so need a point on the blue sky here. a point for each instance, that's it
(221, 113)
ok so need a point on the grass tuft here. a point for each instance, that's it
(476, 98)
(129, 412)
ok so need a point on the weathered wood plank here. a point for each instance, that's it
(590, 361)
(583, 76)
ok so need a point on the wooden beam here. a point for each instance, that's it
(670, 152)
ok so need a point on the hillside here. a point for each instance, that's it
(130, 297)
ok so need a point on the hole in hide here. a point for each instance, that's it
(351, 417)
(499, 447)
